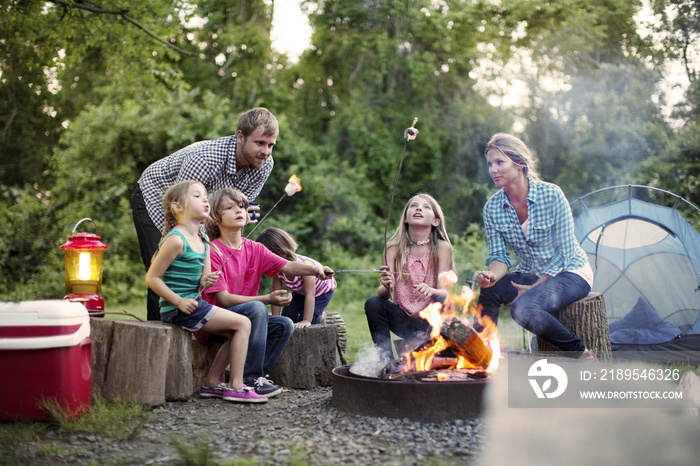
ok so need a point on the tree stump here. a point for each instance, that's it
(309, 358)
(178, 377)
(587, 319)
(137, 362)
(334, 318)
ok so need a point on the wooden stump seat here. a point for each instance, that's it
(146, 361)
(587, 319)
(309, 358)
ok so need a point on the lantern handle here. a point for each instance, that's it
(86, 219)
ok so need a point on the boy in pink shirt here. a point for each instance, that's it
(244, 261)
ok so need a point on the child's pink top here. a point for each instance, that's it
(421, 271)
(241, 274)
(296, 284)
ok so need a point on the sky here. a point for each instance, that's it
(291, 32)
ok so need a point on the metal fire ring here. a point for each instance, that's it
(422, 401)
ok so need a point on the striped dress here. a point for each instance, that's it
(296, 284)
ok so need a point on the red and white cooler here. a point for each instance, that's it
(45, 354)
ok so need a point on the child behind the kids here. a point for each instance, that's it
(310, 295)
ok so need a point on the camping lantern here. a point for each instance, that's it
(84, 269)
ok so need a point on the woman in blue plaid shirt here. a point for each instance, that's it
(534, 219)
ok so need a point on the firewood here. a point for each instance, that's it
(466, 342)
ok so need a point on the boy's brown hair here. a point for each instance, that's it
(216, 202)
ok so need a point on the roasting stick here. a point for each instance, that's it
(379, 271)
(408, 135)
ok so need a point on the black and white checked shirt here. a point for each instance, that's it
(212, 163)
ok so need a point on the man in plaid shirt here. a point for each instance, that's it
(242, 161)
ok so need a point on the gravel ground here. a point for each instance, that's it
(296, 427)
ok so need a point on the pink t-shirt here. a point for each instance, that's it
(241, 274)
(404, 295)
(296, 284)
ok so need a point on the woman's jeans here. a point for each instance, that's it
(534, 309)
(384, 317)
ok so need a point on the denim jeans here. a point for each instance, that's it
(384, 317)
(295, 310)
(534, 309)
(268, 337)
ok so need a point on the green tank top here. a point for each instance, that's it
(184, 273)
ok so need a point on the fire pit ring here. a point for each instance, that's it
(422, 401)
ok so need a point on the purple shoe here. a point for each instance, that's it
(212, 392)
(244, 394)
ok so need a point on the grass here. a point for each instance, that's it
(120, 420)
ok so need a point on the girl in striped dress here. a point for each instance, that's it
(310, 295)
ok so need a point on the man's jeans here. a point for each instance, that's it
(534, 309)
(268, 337)
(149, 236)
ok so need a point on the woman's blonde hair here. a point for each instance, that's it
(216, 202)
(280, 242)
(402, 240)
(177, 193)
(516, 150)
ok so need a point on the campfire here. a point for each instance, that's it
(454, 350)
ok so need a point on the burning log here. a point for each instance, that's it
(464, 341)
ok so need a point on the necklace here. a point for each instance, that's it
(419, 243)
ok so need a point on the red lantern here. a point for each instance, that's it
(84, 269)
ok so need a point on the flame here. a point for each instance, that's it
(461, 306)
(293, 186)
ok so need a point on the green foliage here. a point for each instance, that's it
(200, 452)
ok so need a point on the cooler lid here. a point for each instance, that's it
(47, 312)
(43, 324)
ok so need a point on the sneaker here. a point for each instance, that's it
(588, 355)
(266, 388)
(212, 392)
(244, 394)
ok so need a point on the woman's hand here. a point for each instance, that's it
(486, 279)
(521, 290)
(187, 306)
(209, 279)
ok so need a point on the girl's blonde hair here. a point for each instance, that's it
(280, 242)
(177, 193)
(216, 203)
(402, 240)
(516, 150)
